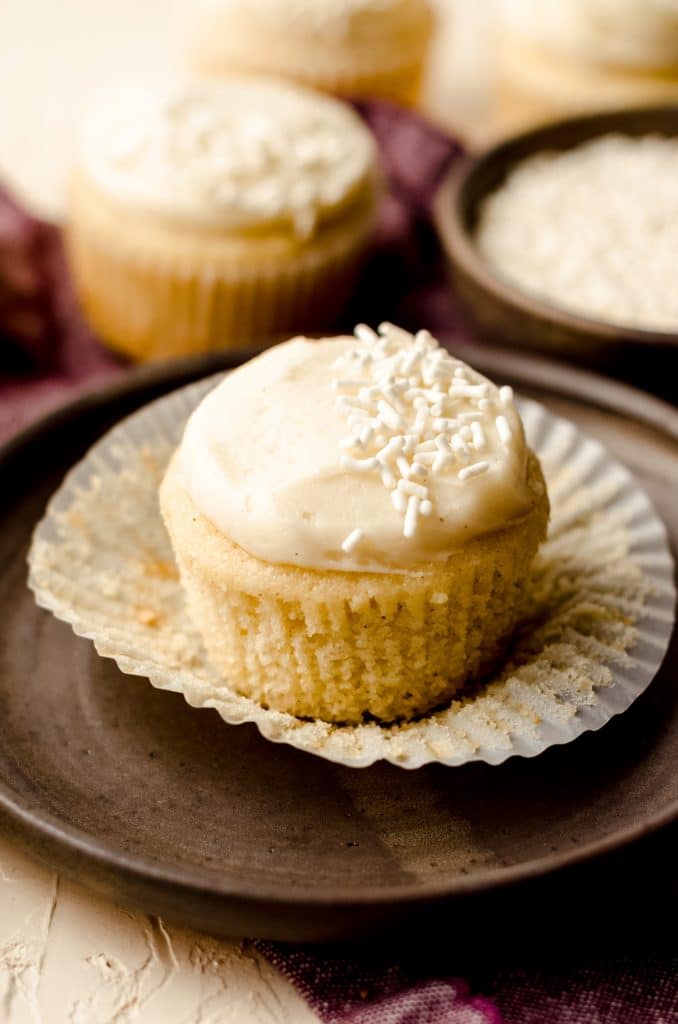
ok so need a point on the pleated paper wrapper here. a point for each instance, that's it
(598, 624)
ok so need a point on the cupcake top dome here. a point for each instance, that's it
(242, 153)
(628, 33)
(373, 453)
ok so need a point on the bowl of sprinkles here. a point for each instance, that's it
(564, 238)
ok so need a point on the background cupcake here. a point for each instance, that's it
(219, 215)
(354, 521)
(374, 48)
(566, 56)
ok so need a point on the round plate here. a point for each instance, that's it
(154, 803)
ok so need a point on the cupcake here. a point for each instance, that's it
(219, 216)
(572, 56)
(354, 522)
(373, 48)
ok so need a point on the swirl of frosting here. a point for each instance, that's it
(630, 33)
(242, 154)
(378, 453)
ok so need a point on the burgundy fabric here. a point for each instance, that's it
(580, 986)
(46, 351)
(346, 991)
(47, 354)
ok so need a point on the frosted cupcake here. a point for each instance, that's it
(219, 215)
(572, 56)
(354, 522)
(374, 48)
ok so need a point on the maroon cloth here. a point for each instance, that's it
(47, 354)
(633, 989)
(46, 351)
(343, 991)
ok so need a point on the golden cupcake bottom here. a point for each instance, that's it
(536, 85)
(152, 289)
(346, 646)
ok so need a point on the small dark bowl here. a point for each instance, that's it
(502, 311)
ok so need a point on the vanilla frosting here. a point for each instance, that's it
(244, 153)
(378, 453)
(317, 17)
(633, 33)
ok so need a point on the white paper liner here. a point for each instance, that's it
(601, 618)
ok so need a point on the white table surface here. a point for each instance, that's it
(65, 954)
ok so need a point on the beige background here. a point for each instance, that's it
(65, 955)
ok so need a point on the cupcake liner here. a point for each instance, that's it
(154, 300)
(598, 626)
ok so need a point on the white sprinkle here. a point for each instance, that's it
(365, 334)
(444, 424)
(484, 404)
(387, 478)
(466, 434)
(462, 390)
(351, 542)
(365, 435)
(346, 405)
(399, 501)
(410, 361)
(477, 435)
(389, 416)
(506, 394)
(426, 446)
(360, 465)
(475, 470)
(411, 516)
(467, 417)
(397, 333)
(391, 448)
(503, 429)
(409, 487)
(416, 469)
(441, 443)
(425, 338)
(442, 460)
(460, 373)
(349, 442)
(403, 466)
(424, 457)
(368, 394)
(426, 507)
(459, 446)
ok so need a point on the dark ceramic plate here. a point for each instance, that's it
(504, 312)
(154, 803)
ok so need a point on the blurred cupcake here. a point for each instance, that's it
(373, 48)
(354, 521)
(219, 216)
(568, 56)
